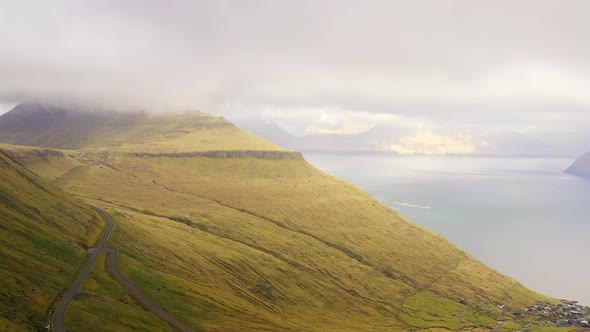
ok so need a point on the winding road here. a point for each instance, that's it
(59, 314)
(139, 296)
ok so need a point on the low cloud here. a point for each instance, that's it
(327, 66)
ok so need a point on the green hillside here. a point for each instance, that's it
(42, 234)
(48, 163)
(104, 298)
(252, 238)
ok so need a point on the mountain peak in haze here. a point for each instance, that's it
(384, 137)
(31, 116)
(581, 166)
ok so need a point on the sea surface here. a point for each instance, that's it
(523, 217)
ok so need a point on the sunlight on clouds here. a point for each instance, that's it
(433, 144)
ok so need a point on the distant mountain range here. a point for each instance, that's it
(581, 166)
(400, 140)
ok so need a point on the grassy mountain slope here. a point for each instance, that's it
(256, 243)
(40, 231)
(372, 263)
(48, 163)
(103, 297)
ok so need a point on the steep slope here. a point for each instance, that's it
(581, 166)
(42, 230)
(102, 297)
(247, 238)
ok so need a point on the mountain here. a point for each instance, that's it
(581, 166)
(229, 232)
(57, 127)
(510, 143)
(269, 131)
(395, 139)
(375, 139)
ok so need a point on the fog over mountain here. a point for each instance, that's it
(444, 71)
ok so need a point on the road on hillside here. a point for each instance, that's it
(80, 156)
(60, 312)
(58, 318)
(139, 296)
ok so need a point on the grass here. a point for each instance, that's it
(554, 329)
(479, 318)
(11, 326)
(47, 163)
(220, 284)
(104, 305)
(41, 228)
(425, 309)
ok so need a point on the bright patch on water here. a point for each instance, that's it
(415, 206)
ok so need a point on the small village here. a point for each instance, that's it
(567, 313)
(564, 314)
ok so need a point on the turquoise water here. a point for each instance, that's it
(522, 216)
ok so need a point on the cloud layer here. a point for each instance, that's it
(522, 65)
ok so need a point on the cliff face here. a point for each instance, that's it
(581, 166)
(228, 154)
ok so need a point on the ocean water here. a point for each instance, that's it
(523, 217)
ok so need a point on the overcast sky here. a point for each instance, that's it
(312, 66)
